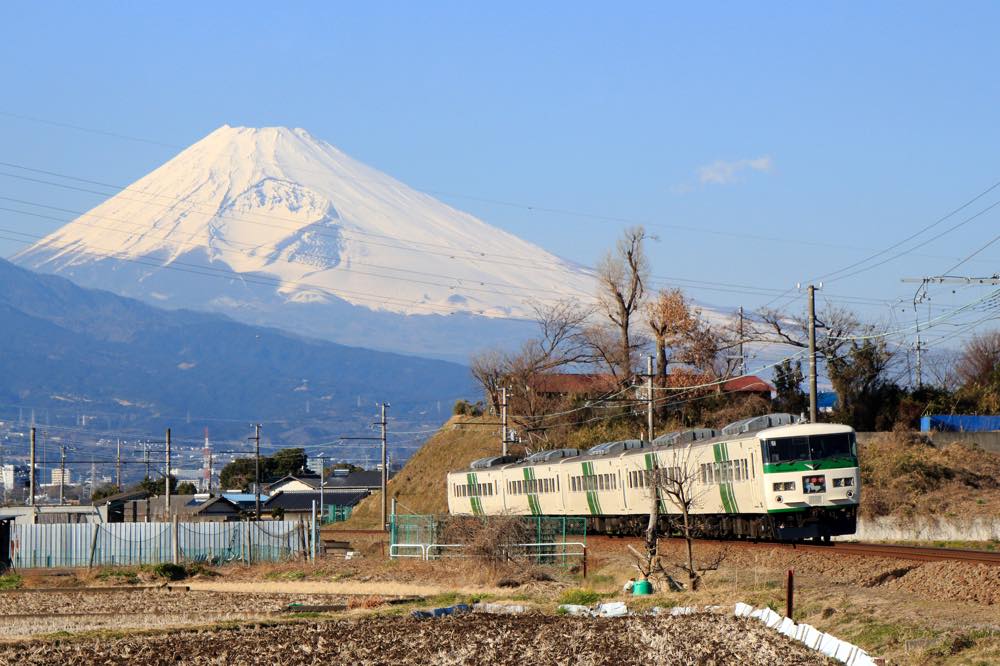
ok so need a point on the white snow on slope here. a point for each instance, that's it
(280, 203)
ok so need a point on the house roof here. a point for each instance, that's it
(189, 504)
(749, 384)
(362, 479)
(123, 497)
(303, 501)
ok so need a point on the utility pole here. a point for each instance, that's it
(118, 467)
(62, 474)
(322, 485)
(206, 464)
(145, 457)
(256, 474)
(31, 472)
(385, 470)
(812, 353)
(649, 396)
(743, 358)
(166, 482)
(920, 374)
(503, 421)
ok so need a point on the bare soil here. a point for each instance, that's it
(473, 638)
(27, 613)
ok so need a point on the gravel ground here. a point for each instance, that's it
(693, 639)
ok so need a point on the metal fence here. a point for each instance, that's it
(126, 544)
(558, 539)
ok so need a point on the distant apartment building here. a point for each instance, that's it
(62, 476)
(14, 476)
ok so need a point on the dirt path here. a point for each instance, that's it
(380, 588)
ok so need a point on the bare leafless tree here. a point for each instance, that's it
(622, 275)
(488, 368)
(676, 487)
(980, 358)
(834, 325)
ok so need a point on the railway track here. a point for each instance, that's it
(918, 553)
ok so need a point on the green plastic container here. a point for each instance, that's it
(641, 588)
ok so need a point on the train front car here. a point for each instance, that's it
(811, 480)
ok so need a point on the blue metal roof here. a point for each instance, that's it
(245, 497)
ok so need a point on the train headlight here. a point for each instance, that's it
(778, 499)
(850, 493)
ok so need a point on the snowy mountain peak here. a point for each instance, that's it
(278, 207)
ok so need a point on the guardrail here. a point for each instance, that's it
(394, 550)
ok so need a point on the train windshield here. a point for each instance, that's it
(812, 447)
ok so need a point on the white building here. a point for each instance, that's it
(62, 476)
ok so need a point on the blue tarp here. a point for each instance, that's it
(959, 423)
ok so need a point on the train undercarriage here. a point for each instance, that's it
(818, 523)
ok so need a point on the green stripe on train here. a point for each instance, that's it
(474, 501)
(729, 484)
(649, 466)
(810, 466)
(723, 493)
(593, 501)
(533, 505)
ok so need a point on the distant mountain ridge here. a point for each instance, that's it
(69, 349)
(273, 226)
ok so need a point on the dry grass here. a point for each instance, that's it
(420, 485)
(903, 475)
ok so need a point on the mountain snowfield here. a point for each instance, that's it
(274, 226)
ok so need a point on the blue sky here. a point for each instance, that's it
(764, 144)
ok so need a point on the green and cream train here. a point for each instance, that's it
(768, 477)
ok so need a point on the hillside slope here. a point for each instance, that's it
(420, 485)
(66, 351)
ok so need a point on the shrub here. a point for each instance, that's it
(10, 582)
(170, 571)
(579, 597)
(491, 540)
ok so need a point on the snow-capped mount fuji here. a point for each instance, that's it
(276, 227)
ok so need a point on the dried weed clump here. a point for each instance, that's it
(905, 475)
(492, 540)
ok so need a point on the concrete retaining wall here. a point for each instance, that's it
(926, 529)
(988, 441)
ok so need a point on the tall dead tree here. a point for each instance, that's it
(672, 322)
(622, 275)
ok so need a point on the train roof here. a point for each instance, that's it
(769, 425)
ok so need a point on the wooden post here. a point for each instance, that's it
(790, 593)
(93, 545)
